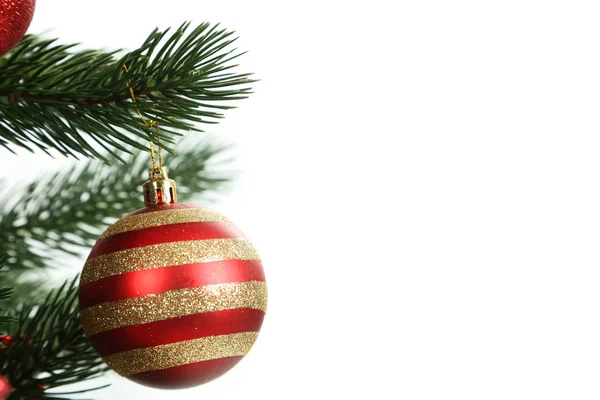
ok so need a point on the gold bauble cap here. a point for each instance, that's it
(160, 189)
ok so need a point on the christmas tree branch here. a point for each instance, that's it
(66, 212)
(49, 348)
(80, 102)
(5, 293)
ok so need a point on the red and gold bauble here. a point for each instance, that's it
(15, 17)
(172, 295)
(5, 388)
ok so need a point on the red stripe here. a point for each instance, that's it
(159, 280)
(177, 330)
(165, 234)
(186, 376)
(162, 207)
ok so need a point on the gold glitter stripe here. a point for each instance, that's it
(167, 254)
(172, 304)
(181, 353)
(159, 218)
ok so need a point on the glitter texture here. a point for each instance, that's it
(160, 218)
(15, 17)
(172, 304)
(167, 254)
(181, 353)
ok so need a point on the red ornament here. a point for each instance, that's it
(6, 340)
(5, 388)
(15, 17)
(172, 295)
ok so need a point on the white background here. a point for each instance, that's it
(421, 178)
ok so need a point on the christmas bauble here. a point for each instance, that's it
(15, 17)
(6, 340)
(172, 295)
(5, 388)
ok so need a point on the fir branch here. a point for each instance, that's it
(5, 294)
(49, 349)
(66, 212)
(78, 102)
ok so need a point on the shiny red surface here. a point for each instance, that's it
(177, 330)
(6, 340)
(5, 387)
(186, 376)
(15, 18)
(159, 280)
(165, 234)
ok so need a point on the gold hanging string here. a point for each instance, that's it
(150, 124)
